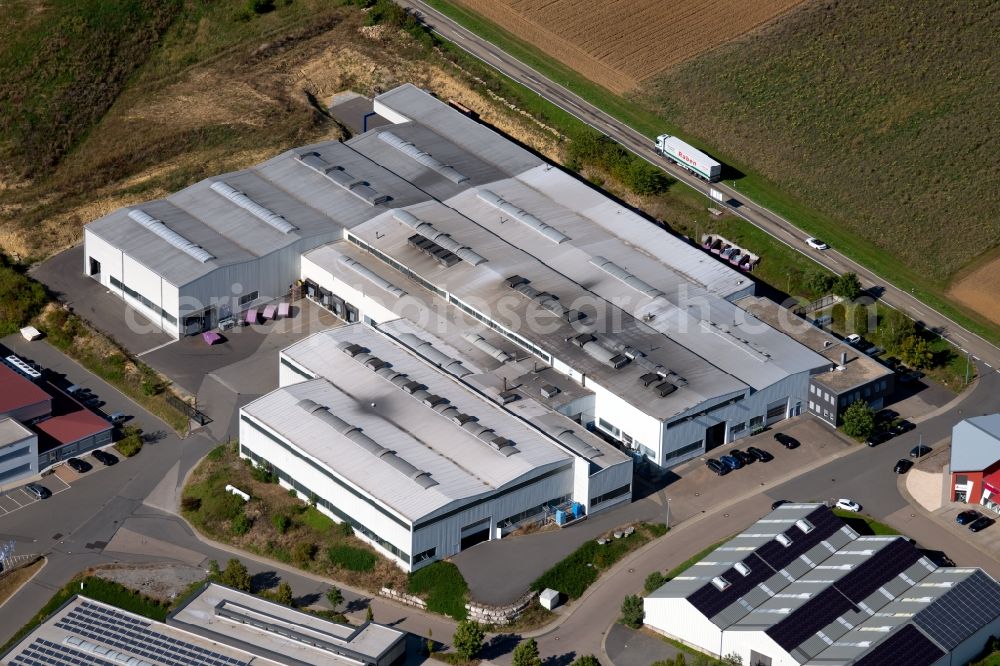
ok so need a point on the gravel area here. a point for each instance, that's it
(159, 581)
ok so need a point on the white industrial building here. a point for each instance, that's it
(388, 429)
(441, 222)
(18, 451)
(799, 587)
(218, 626)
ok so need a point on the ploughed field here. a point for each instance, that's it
(620, 44)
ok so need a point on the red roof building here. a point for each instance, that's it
(20, 398)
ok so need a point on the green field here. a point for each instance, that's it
(871, 153)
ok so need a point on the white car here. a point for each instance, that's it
(853, 339)
(817, 244)
(847, 505)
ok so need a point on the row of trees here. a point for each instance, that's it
(591, 148)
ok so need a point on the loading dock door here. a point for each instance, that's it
(476, 533)
(715, 436)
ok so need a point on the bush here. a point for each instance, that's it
(260, 6)
(283, 595)
(586, 660)
(219, 507)
(190, 503)
(241, 524)
(335, 597)
(468, 640)
(21, 298)
(281, 522)
(819, 283)
(264, 473)
(580, 569)
(847, 286)
(351, 557)
(131, 442)
(444, 588)
(590, 147)
(236, 575)
(654, 581)
(632, 611)
(304, 551)
(218, 453)
(526, 654)
(916, 352)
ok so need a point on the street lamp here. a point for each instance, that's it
(668, 513)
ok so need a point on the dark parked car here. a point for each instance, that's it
(38, 491)
(786, 441)
(742, 456)
(967, 517)
(920, 450)
(980, 524)
(104, 457)
(776, 503)
(886, 415)
(902, 466)
(877, 438)
(717, 467)
(901, 427)
(78, 465)
(760, 454)
(731, 462)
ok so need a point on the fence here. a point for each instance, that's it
(818, 304)
(192, 412)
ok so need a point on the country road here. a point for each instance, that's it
(781, 229)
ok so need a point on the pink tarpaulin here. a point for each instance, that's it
(283, 309)
(211, 337)
(269, 312)
(251, 316)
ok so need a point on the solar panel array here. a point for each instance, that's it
(824, 522)
(46, 653)
(809, 618)
(887, 563)
(132, 635)
(710, 600)
(959, 613)
(906, 647)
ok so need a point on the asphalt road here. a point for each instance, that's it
(772, 223)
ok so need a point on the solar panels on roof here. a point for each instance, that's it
(166, 233)
(371, 276)
(431, 233)
(906, 647)
(412, 151)
(338, 176)
(614, 270)
(957, 614)
(260, 212)
(522, 216)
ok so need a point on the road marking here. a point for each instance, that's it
(148, 351)
(987, 365)
(11, 498)
(976, 358)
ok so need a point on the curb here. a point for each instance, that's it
(45, 562)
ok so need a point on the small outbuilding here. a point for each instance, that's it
(549, 599)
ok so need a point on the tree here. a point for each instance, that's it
(468, 639)
(862, 318)
(632, 611)
(733, 659)
(526, 654)
(335, 597)
(214, 573)
(859, 420)
(236, 575)
(893, 329)
(284, 594)
(916, 352)
(369, 615)
(847, 286)
(586, 660)
(819, 283)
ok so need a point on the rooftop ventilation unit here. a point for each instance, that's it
(804, 525)
(504, 446)
(549, 391)
(507, 397)
(434, 355)
(514, 280)
(524, 217)
(410, 150)
(431, 233)
(375, 363)
(433, 400)
(570, 440)
(665, 389)
(351, 349)
(412, 387)
(372, 276)
(260, 212)
(649, 378)
(166, 233)
(614, 270)
(783, 540)
(720, 583)
(480, 343)
(743, 569)
(435, 251)
(339, 177)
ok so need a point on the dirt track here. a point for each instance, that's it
(618, 44)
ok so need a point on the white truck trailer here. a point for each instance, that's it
(685, 155)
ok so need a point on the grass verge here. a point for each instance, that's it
(441, 584)
(865, 525)
(13, 581)
(578, 571)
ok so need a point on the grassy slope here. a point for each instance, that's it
(652, 115)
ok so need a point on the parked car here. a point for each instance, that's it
(717, 467)
(980, 524)
(760, 454)
(731, 462)
(901, 427)
(852, 339)
(920, 450)
(847, 505)
(967, 517)
(877, 438)
(38, 490)
(786, 441)
(103, 457)
(118, 418)
(78, 465)
(902, 466)
(776, 503)
(886, 415)
(742, 456)
(817, 244)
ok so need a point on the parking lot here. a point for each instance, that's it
(18, 498)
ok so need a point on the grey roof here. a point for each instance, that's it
(975, 443)
(428, 445)
(280, 633)
(11, 432)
